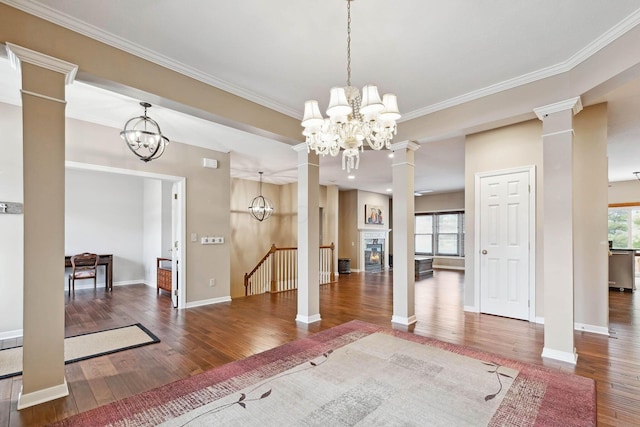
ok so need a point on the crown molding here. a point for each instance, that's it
(49, 14)
(582, 55)
(91, 31)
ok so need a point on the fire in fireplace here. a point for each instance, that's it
(373, 255)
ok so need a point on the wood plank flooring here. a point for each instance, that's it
(201, 338)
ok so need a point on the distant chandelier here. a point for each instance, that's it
(260, 207)
(352, 118)
(144, 137)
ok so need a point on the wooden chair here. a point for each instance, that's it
(84, 266)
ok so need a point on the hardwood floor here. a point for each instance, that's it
(201, 338)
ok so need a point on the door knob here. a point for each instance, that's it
(484, 252)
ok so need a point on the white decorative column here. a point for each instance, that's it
(308, 237)
(557, 148)
(403, 225)
(43, 126)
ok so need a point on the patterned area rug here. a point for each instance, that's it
(85, 346)
(362, 374)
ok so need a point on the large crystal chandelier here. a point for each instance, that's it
(352, 118)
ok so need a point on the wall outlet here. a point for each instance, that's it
(211, 240)
(212, 283)
(194, 237)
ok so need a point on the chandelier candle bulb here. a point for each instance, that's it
(352, 120)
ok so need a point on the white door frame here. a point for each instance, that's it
(532, 235)
(181, 180)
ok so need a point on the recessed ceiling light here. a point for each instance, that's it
(351, 177)
(391, 155)
(389, 190)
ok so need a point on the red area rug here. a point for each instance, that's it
(362, 374)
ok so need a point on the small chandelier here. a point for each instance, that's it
(144, 137)
(352, 118)
(260, 207)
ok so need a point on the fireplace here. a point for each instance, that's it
(373, 255)
(373, 251)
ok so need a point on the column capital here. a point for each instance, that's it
(574, 104)
(300, 147)
(407, 145)
(18, 54)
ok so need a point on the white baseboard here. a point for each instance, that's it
(404, 321)
(41, 396)
(447, 267)
(308, 319)
(7, 335)
(540, 320)
(207, 302)
(562, 356)
(592, 328)
(471, 308)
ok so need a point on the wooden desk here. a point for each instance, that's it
(107, 261)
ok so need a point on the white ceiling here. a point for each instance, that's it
(432, 54)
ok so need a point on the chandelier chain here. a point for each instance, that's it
(348, 43)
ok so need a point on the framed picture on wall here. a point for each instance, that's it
(373, 215)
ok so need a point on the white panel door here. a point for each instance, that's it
(504, 245)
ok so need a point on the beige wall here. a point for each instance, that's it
(207, 197)
(252, 239)
(504, 148)
(348, 241)
(624, 192)
(117, 70)
(521, 145)
(453, 200)
(590, 228)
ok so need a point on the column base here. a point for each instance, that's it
(41, 396)
(404, 321)
(308, 319)
(563, 356)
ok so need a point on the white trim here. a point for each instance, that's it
(404, 321)
(52, 15)
(574, 104)
(563, 356)
(611, 35)
(447, 267)
(601, 330)
(18, 54)
(182, 199)
(303, 146)
(308, 319)
(210, 301)
(471, 309)
(531, 170)
(7, 335)
(405, 145)
(573, 133)
(38, 95)
(66, 21)
(41, 396)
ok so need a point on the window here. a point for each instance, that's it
(439, 233)
(624, 227)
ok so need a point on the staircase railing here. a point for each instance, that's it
(277, 271)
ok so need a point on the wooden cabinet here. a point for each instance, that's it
(164, 274)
